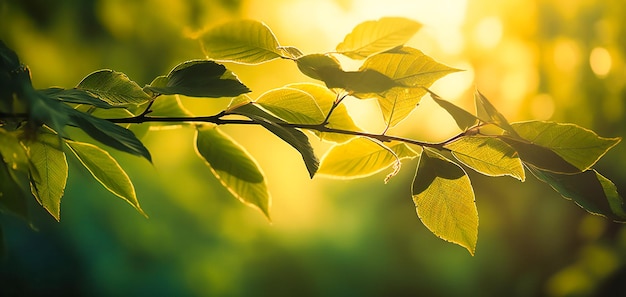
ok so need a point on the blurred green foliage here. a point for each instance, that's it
(328, 238)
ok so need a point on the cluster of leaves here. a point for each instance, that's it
(39, 127)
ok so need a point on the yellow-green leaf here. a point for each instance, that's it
(362, 157)
(576, 145)
(115, 88)
(339, 119)
(50, 171)
(487, 155)
(372, 37)
(444, 200)
(412, 71)
(292, 105)
(463, 118)
(106, 170)
(234, 167)
(488, 113)
(244, 41)
(168, 106)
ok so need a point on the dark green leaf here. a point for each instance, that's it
(539, 156)
(590, 190)
(292, 136)
(233, 166)
(199, 78)
(12, 195)
(76, 96)
(114, 88)
(109, 133)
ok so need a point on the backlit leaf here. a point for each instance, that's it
(444, 200)
(168, 106)
(487, 113)
(539, 156)
(199, 78)
(76, 96)
(487, 155)
(244, 41)
(292, 136)
(292, 105)
(362, 157)
(576, 145)
(339, 119)
(463, 118)
(327, 69)
(412, 71)
(371, 37)
(115, 88)
(109, 133)
(48, 160)
(105, 169)
(590, 190)
(234, 167)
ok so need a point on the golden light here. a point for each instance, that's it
(600, 61)
(567, 55)
(488, 32)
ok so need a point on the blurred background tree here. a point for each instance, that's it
(542, 59)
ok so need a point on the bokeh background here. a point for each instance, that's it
(534, 59)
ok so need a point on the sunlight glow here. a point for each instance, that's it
(488, 32)
(600, 61)
(566, 55)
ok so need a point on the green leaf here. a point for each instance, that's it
(109, 133)
(411, 72)
(463, 118)
(234, 167)
(372, 37)
(76, 96)
(328, 70)
(361, 157)
(115, 88)
(244, 41)
(339, 119)
(12, 195)
(168, 106)
(539, 156)
(444, 200)
(105, 169)
(576, 145)
(487, 155)
(12, 152)
(487, 113)
(292, 136)
(590, 190)
(199, 78)
(50, 165)
(290, 52)
(317, 65)
(292, 105)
